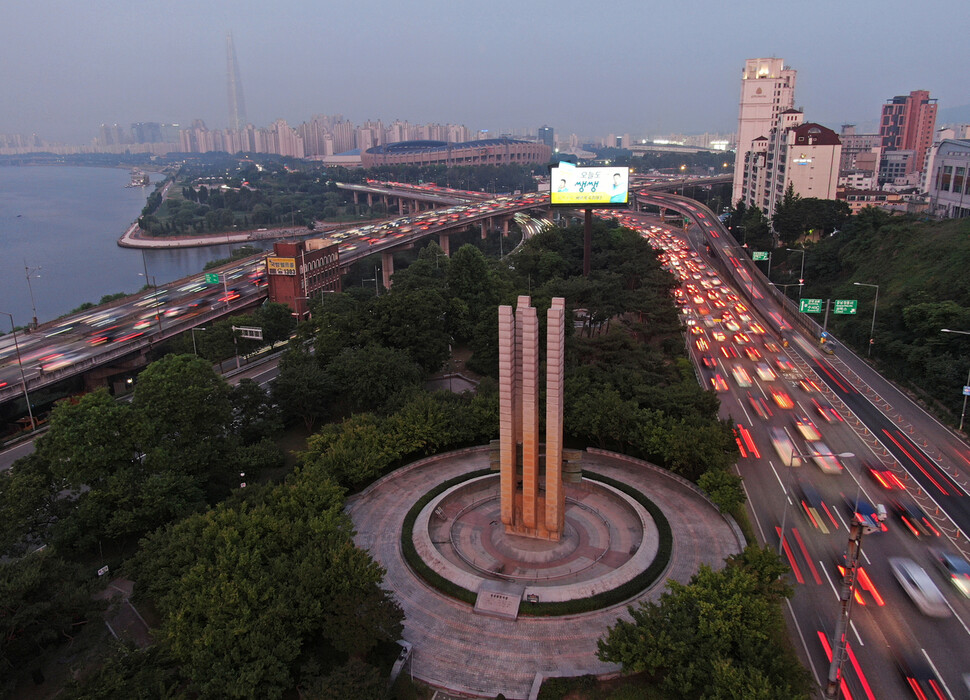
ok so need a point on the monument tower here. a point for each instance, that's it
(531, 487)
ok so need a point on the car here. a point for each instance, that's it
(825, 410)
(709, 361)
(758, 406)
(753, 354)
(741, 376)
(808, 386)
(771, 346)
(920, 588)
(828, 348)
(784, 364)
(805, 426)
(718, 383)
(764, 372)
(741, 339)
(872, 518)
(702, 345)
(914, 518)
(719, 336)
(757, 328)
(784, 447)
(920, 677)
(814, 507)
(695, 329)
(732, 325)
(884, 476)
(954, 568)
(728, 351)
(823, 457)
(781, 398)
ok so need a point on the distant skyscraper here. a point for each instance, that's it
(547, 136)
(237, 108)
(907, 124)
(767, 90)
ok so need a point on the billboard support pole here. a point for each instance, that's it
(587, 241)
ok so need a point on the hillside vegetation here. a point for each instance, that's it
(923, 272)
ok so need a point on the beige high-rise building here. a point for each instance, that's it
(767, 90)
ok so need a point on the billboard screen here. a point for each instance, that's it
(589, 187)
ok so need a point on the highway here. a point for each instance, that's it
(774, 391)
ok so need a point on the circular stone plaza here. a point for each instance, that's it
(490, 611)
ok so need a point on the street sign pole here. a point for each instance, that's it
(825, 322)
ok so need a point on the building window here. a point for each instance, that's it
(958, 180)
(945, 181)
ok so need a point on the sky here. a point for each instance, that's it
(591, 68)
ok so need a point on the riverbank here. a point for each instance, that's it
(134, 237)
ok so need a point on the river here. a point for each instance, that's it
(66, 221)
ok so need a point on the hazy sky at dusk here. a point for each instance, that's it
(635, 66)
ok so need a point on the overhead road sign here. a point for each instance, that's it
(810, 306)
(759, 255)
(845, 306)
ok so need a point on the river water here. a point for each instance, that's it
(66, 221)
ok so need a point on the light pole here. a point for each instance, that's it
(29, 272)
(801, 275)
(791, 462)
(23, 379)
(193, 330)
(783, 286)
(964, 411)
(872, 330)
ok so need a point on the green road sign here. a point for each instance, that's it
(211, 278)
(759, 255)
(810, 306)
(845, 306)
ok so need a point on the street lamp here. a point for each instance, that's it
(872, 330)
(29, 272)
(964, 411)
(791, 462)
(193, 330)
(783, 286)
(23, 379)
(801, 275)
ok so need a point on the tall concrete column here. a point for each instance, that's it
(508, 429)
(443, 242)
(400, 206)
(505, 227)
(527, 328)
(356, 198)
(387, 268)
(555, 501)
(484, 230)
(370, 199)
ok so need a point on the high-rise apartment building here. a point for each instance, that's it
(907, 124)
(803, 155)
(767, 90)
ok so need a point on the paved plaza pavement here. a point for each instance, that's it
(457, 649)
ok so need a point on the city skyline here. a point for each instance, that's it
(431, 62)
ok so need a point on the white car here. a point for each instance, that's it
(919, 587)
(823, 457)
(784, 447)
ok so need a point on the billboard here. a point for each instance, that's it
(281, 266)
(589, 187)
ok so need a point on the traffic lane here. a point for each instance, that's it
(930, 480)
(12, 454)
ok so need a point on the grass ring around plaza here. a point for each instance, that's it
(468, 545)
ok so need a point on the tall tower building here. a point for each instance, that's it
(907, 124)
(547, 136)
(237, 108)
(767, 90)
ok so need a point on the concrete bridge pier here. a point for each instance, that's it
(370, 199)
(356, 197)
(505, 227)
(484, 229)
(443, 242)
(387, 268)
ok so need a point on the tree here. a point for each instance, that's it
(302, 389)
(183, 415)
(411, 321)
(276, 321)
(41, 597)
(788, 220)
(255, 417)
(369, 376)
(721, 628)
(724, 488)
